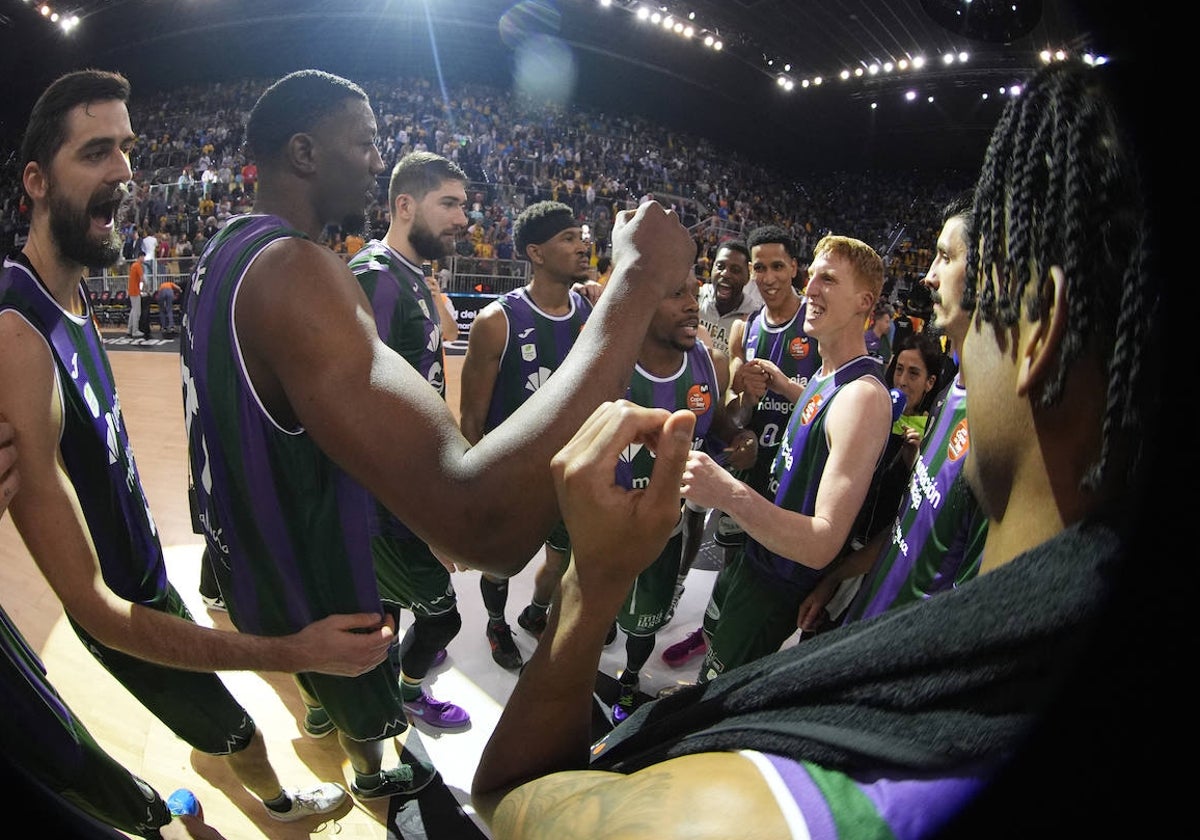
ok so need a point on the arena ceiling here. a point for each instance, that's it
(603, 57)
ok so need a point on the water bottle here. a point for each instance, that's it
(183, 803)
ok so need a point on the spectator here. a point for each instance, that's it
(167, 295)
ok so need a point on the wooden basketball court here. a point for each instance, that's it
(149, 388)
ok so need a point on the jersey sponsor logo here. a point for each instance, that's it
(699, 398)
(537, 379)
(529, 352)
(770, 403)
(960, 441)
(799, 348)
(924, 485)
(649, 621)
(525, 333)
(811, 408)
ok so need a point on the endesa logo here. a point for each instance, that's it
(799, 348)
(960, 441)
(699, 399)
(811, 408)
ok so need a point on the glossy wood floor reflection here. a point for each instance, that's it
(148, 384)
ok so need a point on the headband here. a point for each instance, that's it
(539, 230)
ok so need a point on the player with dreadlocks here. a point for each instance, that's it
(893, 725)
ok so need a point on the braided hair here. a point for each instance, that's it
(1060, 185)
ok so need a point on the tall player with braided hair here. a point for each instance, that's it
(893, 726)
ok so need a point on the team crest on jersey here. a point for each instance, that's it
(799, 348)
(811, 408)
(537, 379)
(699, 398)
(529, 352)
(631, 452)
(960, 441)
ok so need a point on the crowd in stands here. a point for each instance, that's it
(191, 174)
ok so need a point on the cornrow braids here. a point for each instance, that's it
(1060, 185)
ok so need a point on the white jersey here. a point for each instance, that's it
(719, 326)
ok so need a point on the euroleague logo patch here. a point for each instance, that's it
(811, 408)
(699, 398)
(798, 348)
(960, 441)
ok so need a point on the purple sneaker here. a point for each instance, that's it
(437, 713)
(692, 645)
(626, 701)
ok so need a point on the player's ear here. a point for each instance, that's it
(34, 180)
(301, 152)
(1042, 339)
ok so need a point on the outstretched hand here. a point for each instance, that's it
(656, 242)
(615, 532)
(590, 290)
(752, 379)
(346, 645)
(742, 451)
(707, 483)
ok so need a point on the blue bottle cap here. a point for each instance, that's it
(183, 803)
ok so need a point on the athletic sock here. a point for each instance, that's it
(367, 781)
(409, 691)
(281, 803)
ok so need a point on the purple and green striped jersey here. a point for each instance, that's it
(405, 313)
(536, 345)
(800, 462)
(939, 531)
(693, 386)
(407, 321)
(824, 804)
(94, 444)
(41, 734)
(292, 527)
(797, 356)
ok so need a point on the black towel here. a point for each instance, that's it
(948, 682)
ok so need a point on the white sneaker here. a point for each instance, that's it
(310, 802)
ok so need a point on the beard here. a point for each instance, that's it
(354, 223)
(427, 244)
(70, 228)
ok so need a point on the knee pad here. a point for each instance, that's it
(434, 632)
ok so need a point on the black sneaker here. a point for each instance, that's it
(532, 620)
(504, 649)
(214, 602)
(402, 780)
